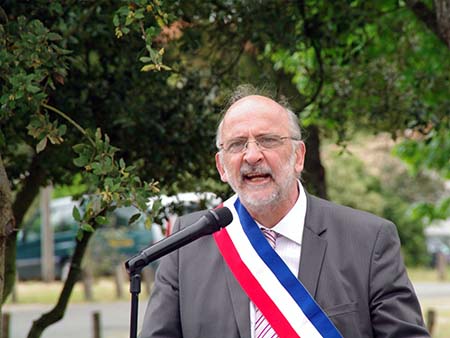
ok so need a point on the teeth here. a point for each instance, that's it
(251, 176)
(256, 174)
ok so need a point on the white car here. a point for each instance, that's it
(181, 204)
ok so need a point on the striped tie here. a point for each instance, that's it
(262, 326)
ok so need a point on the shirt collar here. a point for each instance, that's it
(291, 226)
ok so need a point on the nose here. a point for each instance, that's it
(252, 153)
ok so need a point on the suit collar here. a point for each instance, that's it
(313, 246)
(314, 215)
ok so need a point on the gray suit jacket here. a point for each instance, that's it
(350, 263)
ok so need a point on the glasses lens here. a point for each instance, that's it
(269, 141)
(236, 145)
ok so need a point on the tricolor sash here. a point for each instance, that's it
(268, 281)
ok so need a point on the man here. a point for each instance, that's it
(333, 272)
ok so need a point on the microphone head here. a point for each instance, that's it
(223, 216)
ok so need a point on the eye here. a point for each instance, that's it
(269, 141)
(236, 145)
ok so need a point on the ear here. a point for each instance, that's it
(220, 168)
(300, 152)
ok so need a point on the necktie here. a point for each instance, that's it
(262, 326)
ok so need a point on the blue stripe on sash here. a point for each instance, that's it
(294, 287)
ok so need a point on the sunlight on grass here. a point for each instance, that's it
(427, 275)
(104, 290)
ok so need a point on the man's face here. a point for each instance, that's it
(261, 177)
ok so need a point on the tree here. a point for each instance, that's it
(33, 61)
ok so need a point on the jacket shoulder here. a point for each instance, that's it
(321, 212)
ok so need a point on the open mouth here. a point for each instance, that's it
(256, 177)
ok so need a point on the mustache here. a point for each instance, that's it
(247, 169)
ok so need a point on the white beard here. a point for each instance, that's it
(280, 191)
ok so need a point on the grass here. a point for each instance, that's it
(427, 275)
(441, 306)
(47, 293)
(105, 290)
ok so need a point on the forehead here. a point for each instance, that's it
(255, 115)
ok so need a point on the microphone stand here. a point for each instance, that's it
(134, 267)
(135, 289)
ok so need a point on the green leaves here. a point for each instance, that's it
(41, 128)
(432, 152)
(76, 214)
(33, 62)
(134, 218)
(146, 18)
(30, 58)
(116, 184)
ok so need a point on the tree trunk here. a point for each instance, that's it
(314, 173)
(57, 313)
(438, 22)
(443, 19)
(22, 203)
(6, 227)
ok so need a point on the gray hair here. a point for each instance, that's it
(247, 90)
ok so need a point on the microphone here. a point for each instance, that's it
(209, 223)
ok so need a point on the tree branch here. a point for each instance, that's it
(70, 120)
(57, 313)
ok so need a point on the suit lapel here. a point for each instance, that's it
(313, 248)
(240, 301)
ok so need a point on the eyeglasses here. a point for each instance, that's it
(263, 142)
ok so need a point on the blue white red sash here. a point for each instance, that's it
(267, 280)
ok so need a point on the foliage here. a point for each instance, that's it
(32, 60)
(32, 63)
(132, 17)
(389, 194)
(429, 152)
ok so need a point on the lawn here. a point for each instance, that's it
(441, 306)
(104, 290)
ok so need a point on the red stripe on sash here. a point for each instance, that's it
(252, 287)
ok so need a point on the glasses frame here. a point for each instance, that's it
(255, 140)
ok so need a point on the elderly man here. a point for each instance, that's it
(289, 264)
